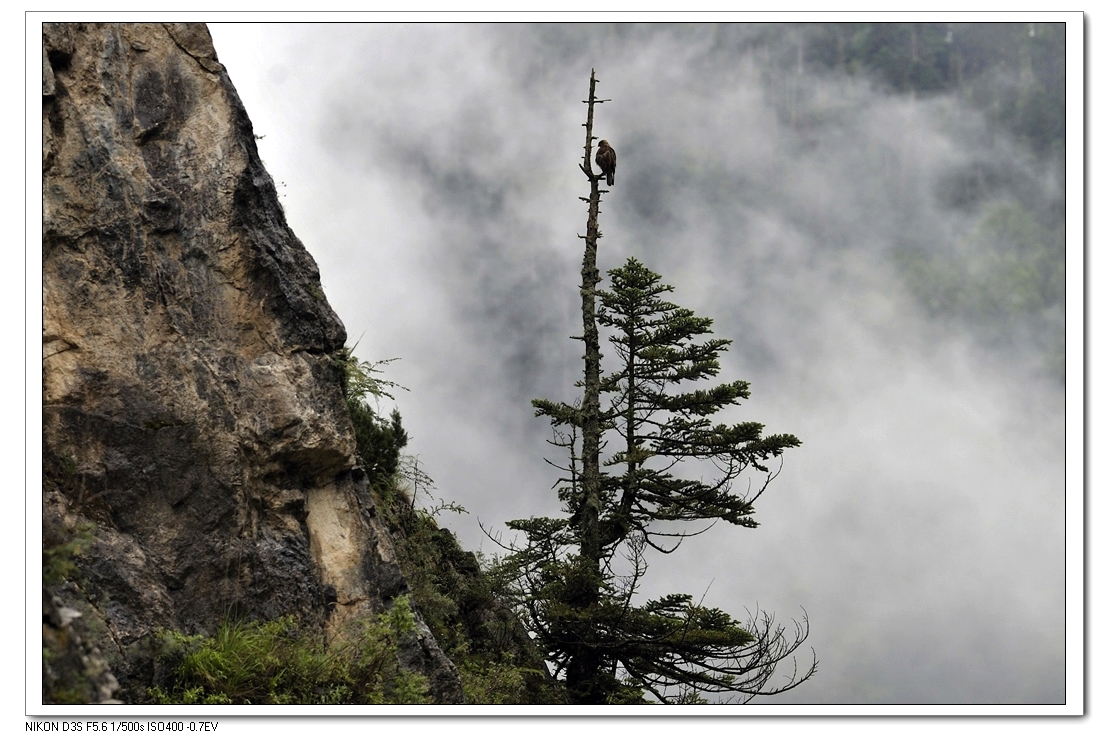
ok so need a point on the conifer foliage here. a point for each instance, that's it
(575, 578)
(656, 344)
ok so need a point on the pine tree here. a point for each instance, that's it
(656, 343)
(569, 584)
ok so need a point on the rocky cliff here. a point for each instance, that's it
(193, 418)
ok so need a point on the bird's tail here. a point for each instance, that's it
(611, 179)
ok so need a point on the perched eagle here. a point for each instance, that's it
(606, 160)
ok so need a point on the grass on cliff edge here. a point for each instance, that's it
(279, 663)
(455, 597)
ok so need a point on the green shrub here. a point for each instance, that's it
(460, 603)
(455, 598)
(278, 662)
(379, 440)
(61, 545)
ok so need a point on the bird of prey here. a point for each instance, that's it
(606, 160)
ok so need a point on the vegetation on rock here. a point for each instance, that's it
(461, 604)
(280, 663)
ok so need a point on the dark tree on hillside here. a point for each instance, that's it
(575, 578)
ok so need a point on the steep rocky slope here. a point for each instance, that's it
(192, 409)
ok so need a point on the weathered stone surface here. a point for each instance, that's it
(191, 408)
(73, 670)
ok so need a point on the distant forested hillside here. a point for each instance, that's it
(1005, 278)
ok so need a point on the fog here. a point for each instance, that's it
(432, 171)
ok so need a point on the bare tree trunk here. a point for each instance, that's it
(584, 666)
(591, 429)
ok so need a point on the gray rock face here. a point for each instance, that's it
(191, 409)
(73, 671)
